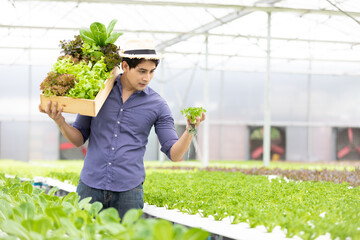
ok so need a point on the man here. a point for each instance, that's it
(113, 171)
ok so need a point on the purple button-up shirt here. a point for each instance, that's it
(118, 136)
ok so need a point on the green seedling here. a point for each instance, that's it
(192, 113)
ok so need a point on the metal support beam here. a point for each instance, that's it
(205, 152)
(353, 43)
(267, 127)
(211, 54)
(251, 8)
(202, 29)
(211, 25)
(308, 109)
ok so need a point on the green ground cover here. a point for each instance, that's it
(304, 208)
(28, 213)
(259, 164)
(76, 165)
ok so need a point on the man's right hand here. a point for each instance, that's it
(53, 113)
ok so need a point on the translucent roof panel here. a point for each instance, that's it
(234, 33)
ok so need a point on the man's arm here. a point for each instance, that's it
(72, 134)
(179, 148)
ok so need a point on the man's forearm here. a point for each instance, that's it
(69, 132)
(72, 134)
(181, 146)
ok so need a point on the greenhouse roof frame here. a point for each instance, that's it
(181, 33)
(231, 33)
(207, 5)
(204, 28)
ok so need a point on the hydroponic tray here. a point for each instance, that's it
(83, 106)
(220, 229)
(223, 229)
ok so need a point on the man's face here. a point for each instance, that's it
(140, 76)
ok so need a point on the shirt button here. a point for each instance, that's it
(121, 110)
(112, 148)
(118, 122)
(109, 163)
(115, 135)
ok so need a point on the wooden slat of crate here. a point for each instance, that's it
(83, 106)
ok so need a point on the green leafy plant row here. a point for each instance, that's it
(327, 175)
(65, 171)
(305, 209)
(28, 213)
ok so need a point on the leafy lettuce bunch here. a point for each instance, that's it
(85, 64)
(99, 42)
(91, 45)
(192, 113)
(57, 84)
(99, 34)
(90, 78)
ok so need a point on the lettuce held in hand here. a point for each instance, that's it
(192, 113)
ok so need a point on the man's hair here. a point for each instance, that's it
(133, 62)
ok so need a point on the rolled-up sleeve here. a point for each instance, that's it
(82, 123)
(165, 129)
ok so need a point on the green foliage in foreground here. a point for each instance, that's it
(28, 213)
(306, 209)
(65, 171)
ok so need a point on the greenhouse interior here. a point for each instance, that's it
(276, 149)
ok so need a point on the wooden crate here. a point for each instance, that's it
(83, 106)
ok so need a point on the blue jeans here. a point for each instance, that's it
(122, 201)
